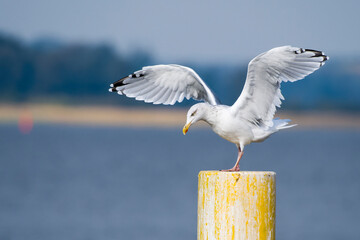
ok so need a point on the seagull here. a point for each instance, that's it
(250, 118)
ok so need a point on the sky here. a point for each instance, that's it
(190, 30)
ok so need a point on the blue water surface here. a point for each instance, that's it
(71, 182)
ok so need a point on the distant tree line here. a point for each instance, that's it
(50, 70)
(47, 70)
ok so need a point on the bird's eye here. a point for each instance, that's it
(193, 113)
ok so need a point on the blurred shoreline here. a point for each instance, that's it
(149, 117)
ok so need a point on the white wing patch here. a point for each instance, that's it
(164, 84)
(261, 93)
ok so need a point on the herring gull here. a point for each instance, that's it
(250, 118)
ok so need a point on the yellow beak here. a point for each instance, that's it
(186, 128)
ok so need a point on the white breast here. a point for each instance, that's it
(231, 127)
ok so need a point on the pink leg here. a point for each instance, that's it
(236, 167)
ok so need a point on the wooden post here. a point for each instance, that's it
(236, 205)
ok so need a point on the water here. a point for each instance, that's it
(67, 182)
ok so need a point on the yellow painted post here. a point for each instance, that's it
(236, 205)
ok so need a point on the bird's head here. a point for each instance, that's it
(194, 114)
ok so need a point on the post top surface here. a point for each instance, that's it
(258, 173)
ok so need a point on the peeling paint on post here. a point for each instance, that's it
(236, 205)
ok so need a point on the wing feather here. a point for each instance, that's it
(261, 93)
(181, 97)
(164, 84)
(166, 97)
(150, 95)
(173, 97)
(158, 97)
(143, 92)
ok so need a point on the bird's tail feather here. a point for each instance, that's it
(264, 133)
(282, 124)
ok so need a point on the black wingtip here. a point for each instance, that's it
(112, 89)
(301, 50)
(118, 83)
(316, 53)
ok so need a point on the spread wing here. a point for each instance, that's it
(164, 84)
(261, 93)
